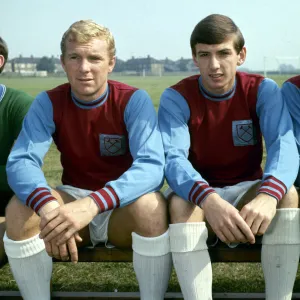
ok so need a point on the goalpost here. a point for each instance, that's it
(285, 64)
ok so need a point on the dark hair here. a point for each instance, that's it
(4, 52)
(215, 29)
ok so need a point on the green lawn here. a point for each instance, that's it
(230, 277)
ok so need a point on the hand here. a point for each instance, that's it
(259, 213)
(68, 219)
(226, 221)
(63, 251)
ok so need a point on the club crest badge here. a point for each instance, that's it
(112, 145)
(243, 133)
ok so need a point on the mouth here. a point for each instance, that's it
(84, 79)
(215, 76)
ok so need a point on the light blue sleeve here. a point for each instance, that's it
(24, 173)
(277, 129)
(291, 96)
(146, 172)
(173, 117)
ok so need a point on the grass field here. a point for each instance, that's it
(230, 277)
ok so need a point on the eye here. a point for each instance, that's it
(95, 58)
(225, 53)
(203, 54)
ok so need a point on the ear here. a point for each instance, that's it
(112, 64)
(62, 62)
(2, 61)
(242, 56)
(195, 60)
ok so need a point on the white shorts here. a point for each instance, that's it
(232, 194)
(99, 225)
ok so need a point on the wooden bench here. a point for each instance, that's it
(218, 253)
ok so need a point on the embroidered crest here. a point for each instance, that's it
(112, 145)
(243, 133)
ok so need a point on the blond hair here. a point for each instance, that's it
(85, 30)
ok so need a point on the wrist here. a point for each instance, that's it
(267, 197)
(49, 206)
(210, 199)
(92, 206)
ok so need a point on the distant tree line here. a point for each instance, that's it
(46, 64)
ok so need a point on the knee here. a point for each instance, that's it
(182, 211)
(21, 221)
(290, 200)
(150, 214)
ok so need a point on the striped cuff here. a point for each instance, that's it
(106, 199)
(273, 187)
(199, 192)
(38, 198)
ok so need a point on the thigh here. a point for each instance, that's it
(182, 211)
(147, 216)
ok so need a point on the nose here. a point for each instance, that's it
(84, 66)
(214, 63)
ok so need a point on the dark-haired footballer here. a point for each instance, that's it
(291, 95)
(212, 127)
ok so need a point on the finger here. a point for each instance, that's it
(50, 226)
(228, 235)
(221, 236)
(245, 229)
(55, 250)
(263, 227)
(49, 249)
(77, 237)
(250, 218)
(73, 249)
(256, 225)
(63, 251)
(48, 217)
(238, 235)
(66, 236)
(55, 232)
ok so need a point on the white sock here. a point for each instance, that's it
(152, 264)
(191, 260)
(280, 254)
(31, 267)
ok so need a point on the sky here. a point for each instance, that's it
(160, 28)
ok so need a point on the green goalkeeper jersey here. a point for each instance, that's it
(14, 105)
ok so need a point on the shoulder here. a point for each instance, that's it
(17, 99)
(186, 83)
(120, 88)
(294, 80)
(248, 79)
(18, 94)
(60, 90)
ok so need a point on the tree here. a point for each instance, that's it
(46, 64)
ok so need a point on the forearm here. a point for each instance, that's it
(186, 181)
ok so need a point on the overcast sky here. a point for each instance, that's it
(160, 28)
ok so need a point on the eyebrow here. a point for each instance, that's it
(221, 50)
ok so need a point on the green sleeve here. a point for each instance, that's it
(19, 110)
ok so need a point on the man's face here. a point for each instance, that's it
(217, 64)
(87, 66)
(2, 62)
